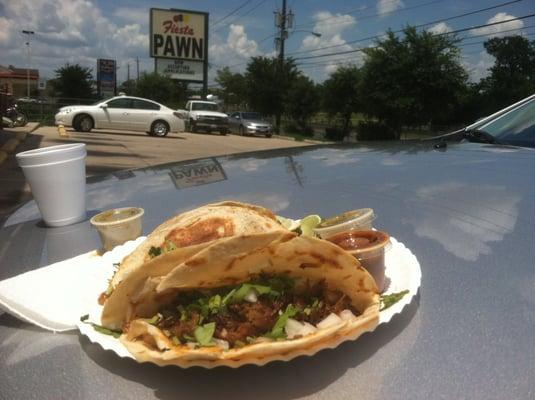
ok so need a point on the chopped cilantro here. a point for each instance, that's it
(155, 251)
(389, 300)
(227, 298)
(278, 329)
(204, 334)
(244, 290)
(100, 328)
(214, 304)
(155, 319)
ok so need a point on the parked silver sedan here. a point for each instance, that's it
(249, 123)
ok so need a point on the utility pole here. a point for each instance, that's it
(128, 71)
(283, 21)
(137, 69)
(28, 33)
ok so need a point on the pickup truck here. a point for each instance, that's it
(203, 115)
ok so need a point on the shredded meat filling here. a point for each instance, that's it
(237, 322)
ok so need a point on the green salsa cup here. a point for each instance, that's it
(118, 225)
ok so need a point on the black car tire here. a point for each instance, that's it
(159, 128)
(83, 123)
(268, 135)
(192, 126)
(241, 131)
(223, 131)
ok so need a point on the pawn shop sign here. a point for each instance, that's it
(179, 35)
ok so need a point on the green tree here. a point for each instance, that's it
(512, 77)
(128, 87)
(233, 87)
(73, 81)
(302, 101)
(341, 95)
(266, 86)
(415, 80)
(162, 89)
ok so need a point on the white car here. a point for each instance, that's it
(123, 113)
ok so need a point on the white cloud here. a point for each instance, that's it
(479, 68)
(439, 28)
(5, 31)
(498, 30)
(482, 217)
(386, 6)
(136, 15)
(74, 31)
(331, 27)
(238, 47)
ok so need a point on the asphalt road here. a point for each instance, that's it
(109, 151)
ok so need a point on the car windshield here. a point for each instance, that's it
(204, 106)
(251, 115)
(516, 127)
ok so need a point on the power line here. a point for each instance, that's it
(231, 13)
(339, 61)
(439, 34)
(416, 26)
(378, 36)
(242, 15)
(376, 14)
(347, 12)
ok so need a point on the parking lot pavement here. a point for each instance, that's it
(109, 151)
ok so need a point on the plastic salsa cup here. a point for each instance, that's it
(360, 219)
(369, 248)
(118, 225)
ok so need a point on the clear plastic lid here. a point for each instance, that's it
(360, 219)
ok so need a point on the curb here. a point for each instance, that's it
(291, 138)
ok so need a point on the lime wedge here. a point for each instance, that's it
(309, 223)
(288, 223)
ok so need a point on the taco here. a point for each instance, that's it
(196, 228)
(252, 300)
(137, 296)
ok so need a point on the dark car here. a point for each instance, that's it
(250, 123)
(513, 125)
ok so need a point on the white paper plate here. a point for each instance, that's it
(402, 271)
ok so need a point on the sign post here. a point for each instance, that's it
(179, 44)
(106, 78)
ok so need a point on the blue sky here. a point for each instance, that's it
(80, 31)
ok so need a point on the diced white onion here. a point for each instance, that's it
(347, 315)
(293, 328)
(251, 297)
(308, 328)
(221, 343)
(331, 320)
(191, 345)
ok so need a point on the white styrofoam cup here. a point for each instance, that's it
(56, 176)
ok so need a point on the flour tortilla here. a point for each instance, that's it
(226, 263)
(200, 227)
(137, 295)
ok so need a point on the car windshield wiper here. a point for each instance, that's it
(479, 136)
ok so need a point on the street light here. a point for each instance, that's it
(28, 33)
(311, 32)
